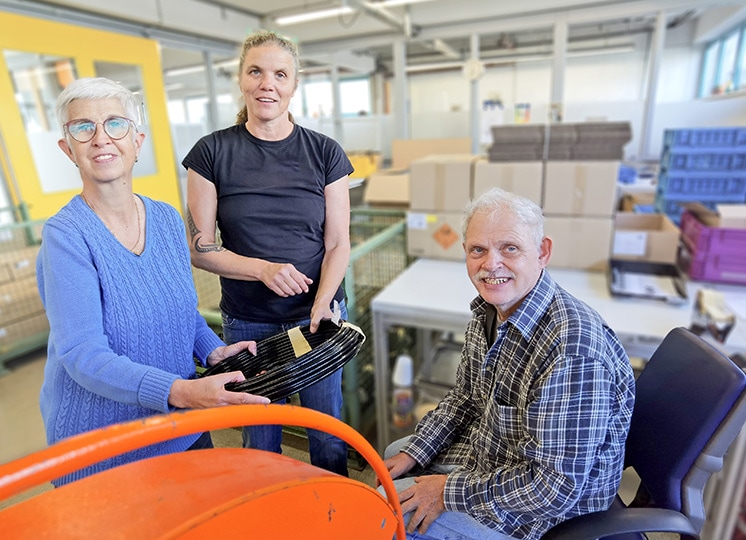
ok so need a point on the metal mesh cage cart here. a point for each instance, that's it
(379, 254)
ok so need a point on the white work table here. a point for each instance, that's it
(435, 295)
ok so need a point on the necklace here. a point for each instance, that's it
(139, 228)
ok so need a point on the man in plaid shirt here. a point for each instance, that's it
(533, 432)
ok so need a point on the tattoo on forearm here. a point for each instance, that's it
(193, 230)
(196, 236)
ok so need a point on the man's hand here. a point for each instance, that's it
(424, 500)
(398, 465)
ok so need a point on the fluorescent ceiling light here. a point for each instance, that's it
(313, 15)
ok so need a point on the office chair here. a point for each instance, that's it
(210, 493)
(690, 405)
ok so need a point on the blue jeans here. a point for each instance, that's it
(325, 396)
(203, 442)
(449, 525)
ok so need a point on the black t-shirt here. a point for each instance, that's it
(271, 206)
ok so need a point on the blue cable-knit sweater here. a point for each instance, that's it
(123, 327)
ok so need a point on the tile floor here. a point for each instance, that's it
(22, 430)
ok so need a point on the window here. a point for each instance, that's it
(723, 64)
(728, 63)
(354, 98)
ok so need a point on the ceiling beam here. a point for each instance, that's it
(343, 60)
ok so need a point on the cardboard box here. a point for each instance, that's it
(387, 188)
(580, 188)
(520, 177)
(579, 242)
(732, 216)
(645, 237)
(405, 151)
(435, 235)
(19, 299)
(629, 201)
(11, 334)
(441, 183)
(18, 264)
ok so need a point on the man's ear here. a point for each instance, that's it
(545, 251)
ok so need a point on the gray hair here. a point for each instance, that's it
(95, 88)
(497, 201)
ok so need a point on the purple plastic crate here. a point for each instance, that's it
(718, 137)
(719, 268)
(705, 241)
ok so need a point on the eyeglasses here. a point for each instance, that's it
(83, 130)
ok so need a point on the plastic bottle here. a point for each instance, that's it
(403, 395)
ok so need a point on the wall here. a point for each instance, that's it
(602, 87)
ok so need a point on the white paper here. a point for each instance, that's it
(631, 243)
(648, 285)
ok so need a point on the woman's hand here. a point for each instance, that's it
(284, 279)
(210, 392)
(221, 353)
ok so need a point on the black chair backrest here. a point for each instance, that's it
(685, 399)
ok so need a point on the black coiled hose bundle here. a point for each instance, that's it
(276, 372)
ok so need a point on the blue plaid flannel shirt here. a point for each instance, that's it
(537, 421)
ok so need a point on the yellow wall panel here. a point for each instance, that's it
(84, 46)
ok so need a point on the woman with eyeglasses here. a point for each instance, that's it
(115, 278)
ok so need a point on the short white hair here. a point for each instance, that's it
(94, 88)
(497, 201)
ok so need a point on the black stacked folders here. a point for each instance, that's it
(276, 373)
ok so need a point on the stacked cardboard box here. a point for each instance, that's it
(441, 187)
(645, 237)
(589, 140)
(584, 141)
(579, 203)
(22, 314)
(390, 187)
(524, 178)
(578, 165)
(578, 196)
(517, 143)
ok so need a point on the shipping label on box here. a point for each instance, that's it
(523, 178)
(435, 235)
(645, 237)
(580, 188)
(579, 242)
(441, 183)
